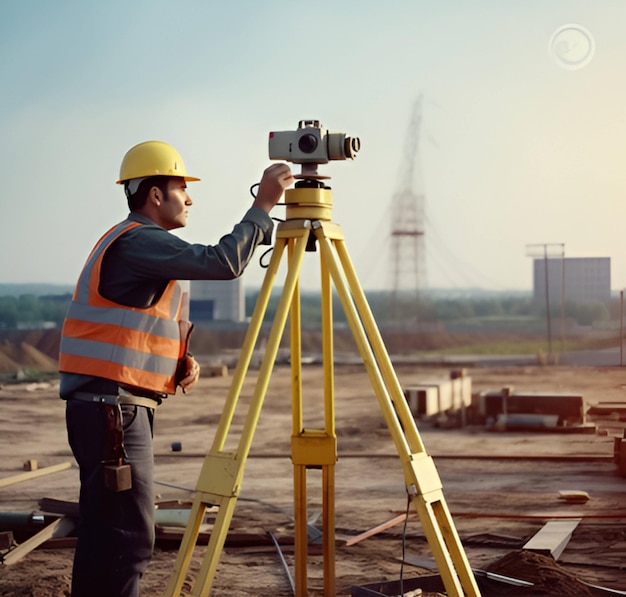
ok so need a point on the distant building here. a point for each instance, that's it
(217, 300)
(579, 279)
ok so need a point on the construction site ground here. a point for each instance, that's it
(501, 486)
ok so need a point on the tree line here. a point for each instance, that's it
(31, 309)
(407, 308)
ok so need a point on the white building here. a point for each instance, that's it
(217, 300)
(577, 279)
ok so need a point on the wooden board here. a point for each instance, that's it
(553, 537)
(59, 528)
(33, 474)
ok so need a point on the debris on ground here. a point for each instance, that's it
(547, 576)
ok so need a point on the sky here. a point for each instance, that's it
(521, 141)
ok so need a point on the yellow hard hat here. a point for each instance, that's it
(152, 158)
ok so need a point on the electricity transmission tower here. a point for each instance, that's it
(408, 265)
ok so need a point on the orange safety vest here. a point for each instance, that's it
(137, 347)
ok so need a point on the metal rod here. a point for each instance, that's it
(562, 299)
(283, 562)
(518, 582)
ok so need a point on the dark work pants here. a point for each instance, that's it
(116, 529)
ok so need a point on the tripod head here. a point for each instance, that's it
(311, 145)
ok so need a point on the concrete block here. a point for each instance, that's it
(461, 388)
(569, 408)
(423, 400)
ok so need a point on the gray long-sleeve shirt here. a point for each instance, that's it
(137, 267)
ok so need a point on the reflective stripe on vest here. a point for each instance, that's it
(137, 347)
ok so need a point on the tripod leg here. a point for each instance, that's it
(206, 494)
(314, 448)
(401, 408)
(299, 470)
(328, 470)
(221, 474)
(328, 524)
(421, 477)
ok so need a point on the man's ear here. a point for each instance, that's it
(155, 196)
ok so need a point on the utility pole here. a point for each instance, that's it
(548, 250)
(621, 328)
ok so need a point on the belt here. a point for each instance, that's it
(122, 398)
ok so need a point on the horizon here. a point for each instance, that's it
(37, 288)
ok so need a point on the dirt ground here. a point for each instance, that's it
(501, 486)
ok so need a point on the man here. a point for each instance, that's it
(124, 349)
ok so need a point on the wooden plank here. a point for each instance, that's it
(546, 515)
(552, 537)
(574, 496)
(33, 474)
(60, 507)
(59, 528)
(377, 529)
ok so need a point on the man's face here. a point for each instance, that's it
(174, 207)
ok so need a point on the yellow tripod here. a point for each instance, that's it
(309, 207)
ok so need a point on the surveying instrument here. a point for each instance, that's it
(308, 227)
